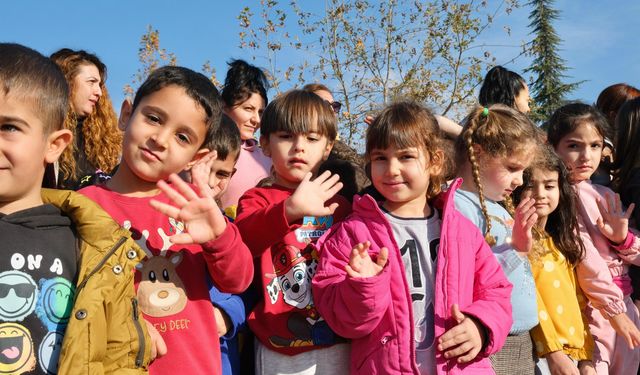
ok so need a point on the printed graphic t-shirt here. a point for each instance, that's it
(38, 266)
(418, 240)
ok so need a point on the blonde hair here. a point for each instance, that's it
(500, 131)
(102, 140)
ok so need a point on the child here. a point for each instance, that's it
(626, 164)
(57, 246)
(279, 223)
(173, 114)
(244, 98)
(495, 147)
(434, 276)
(576, 132)
(562, 340)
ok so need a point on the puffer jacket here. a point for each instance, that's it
(376, 312)
(106, 333)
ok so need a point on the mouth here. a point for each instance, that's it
(10, 349)
(297, 162)
(150, 155)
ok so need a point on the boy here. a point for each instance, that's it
(57, 246)
(174, 113)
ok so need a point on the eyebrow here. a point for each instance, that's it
(11, 119)
(163, 113)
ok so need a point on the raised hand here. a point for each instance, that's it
(614, 220)
(463, 341)
(202, 169)
(202, 218)
(310, 197)
(525, 218)
(361, 264)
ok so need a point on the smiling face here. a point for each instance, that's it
(86, 90)
(294, 155)
(247, 115)
(18, 295)
(543, 186)
(402, 176)
(16, 349)
(162, 136)
(501, 175)
(581, 151)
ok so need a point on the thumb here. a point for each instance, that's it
(383, 257)
(600, 223)
(456, 313)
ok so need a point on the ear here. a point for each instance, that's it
(125, 114)
(478, 151)
(57, 141)
(199, 155)
(264, 145)
(436, 164)
(327, 150)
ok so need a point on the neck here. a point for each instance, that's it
(416, 208)
(542, 222)
(468, 183)
(30, 200)
(125, 182)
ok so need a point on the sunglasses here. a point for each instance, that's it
(335, 106)
(21, 290)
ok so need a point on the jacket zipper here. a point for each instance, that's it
(136, 323)
(97, 268)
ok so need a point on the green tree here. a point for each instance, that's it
(371, 52)
(548, 68)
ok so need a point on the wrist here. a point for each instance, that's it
(291, 213)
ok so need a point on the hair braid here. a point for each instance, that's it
(468, 135)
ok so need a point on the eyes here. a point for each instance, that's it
(9, 128)
(576, 146)
(311, 137)
(156, 120)
(402, 156)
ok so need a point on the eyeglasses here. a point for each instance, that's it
(21, 290)
(335, 106)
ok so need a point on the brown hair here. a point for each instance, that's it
(299, 111)
(313, 87)
(627, 156)
(609, 102)
(500, 131)
(33, 77)
(408, 124)
(102, 139)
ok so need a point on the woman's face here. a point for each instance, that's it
(522, 100)
(86, 90)
(247, 115)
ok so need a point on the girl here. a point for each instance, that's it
(244, 96)
(627, 161)
(96, 148)
(576, 132)
(562, 338)
(279, 223)
(409, 279)
(495, 147)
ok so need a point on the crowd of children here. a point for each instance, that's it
(484, 248)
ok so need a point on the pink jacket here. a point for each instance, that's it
(376, 312)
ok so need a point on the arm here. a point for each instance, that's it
(353, 307)
(629, 250)
(233, 308)
(448, 126)
(545, 332)
(491, 297)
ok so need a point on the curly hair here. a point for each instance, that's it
(500, 131)
(102, 140)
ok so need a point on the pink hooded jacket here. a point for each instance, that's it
(376, 312)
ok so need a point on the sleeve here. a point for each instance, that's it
(589, 343)
(232, 306)
(353, 307)
(595, 279)
(544, 335)
(629, 250)
(229, 261)
(491, 296)
(261, 222)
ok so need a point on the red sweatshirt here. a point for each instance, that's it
(285, 319)
(171, 282)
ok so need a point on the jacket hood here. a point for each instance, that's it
(41, 217)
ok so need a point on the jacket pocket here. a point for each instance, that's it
(140, 333)
(374, 349)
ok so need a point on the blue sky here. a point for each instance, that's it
(598, 35)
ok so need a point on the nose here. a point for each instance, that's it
(163, 294)
(98, 91)
(161, 137)
(393, 167)
(517, 179)
(255, 118)
(299, 142)
(295, 288)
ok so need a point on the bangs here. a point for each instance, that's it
(299, 112)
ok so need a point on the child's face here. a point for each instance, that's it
(86, 90)
(402, 176)
(163, 135)
(501, 175)
(581, 151)
(545, 189)
(247, 115)
(24, 151)
(294, 155)
(221, 172)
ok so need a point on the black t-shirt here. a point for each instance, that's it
(38, 266)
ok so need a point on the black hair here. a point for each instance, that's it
(567, 118)
(197, 86)
(226, 140)
(30, 75)
(500, 86)
(242, 80)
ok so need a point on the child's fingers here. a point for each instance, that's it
(334, 190)
(451, 338)
(469, 356)
(456, 313)
(601, 207)
(176, 197)
(354, 259)
(183, 238)
(459, 350)
(331, 180)
(531, 222)
(331, 209)
(618, 203)
(350, 271)
(183, 187)
(383, 257)
(629, 210)
(165, 208)
(203, 187)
